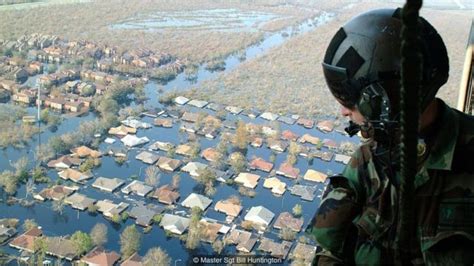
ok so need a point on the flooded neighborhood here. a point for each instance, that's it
(121, 155)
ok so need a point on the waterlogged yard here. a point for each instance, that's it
(230, 20)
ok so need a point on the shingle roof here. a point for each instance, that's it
(260, 215)
(196, 200)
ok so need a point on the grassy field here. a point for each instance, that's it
(289, 78)
(92, 21)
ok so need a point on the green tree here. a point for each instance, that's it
(52, 68)
(152, 176)
(58, 145)
(87, 91)
(40, 246)
(58, 205)
(238, 162)
(116, 218)
(297, 210)
(293, 151)
(175, 180)
(9, 182)
(21, 169)
(99, 234)
(87, 165)
(195, 229)
(241, 138)
(218, 246)
(82, 242)
(108, 106)
(29, 187)
(287, 234)
(129, 241)
(156, 256)
(29, 224)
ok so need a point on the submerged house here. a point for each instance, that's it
(168, 164)
(74, 175)
(194, 168)
(134, 123)
(185, 150)
(277, 186)
(196, 200)
(234, 109)
(174, 223)
(122, 130)
(228, 207)
(305, 192)
(260, 216)
(288, 170)
(315, 176)
(79, 201)
(132, 140)
(61, 247)
(159, 145)
(166, 194)
(244, 240)
(99, 256)
(285, 219)
(261, 164)
(163, 122)
(198, 103)
(277, 145)
(181, 100)
(147, 157)
(325, 126)
(211, 154)
(307, 138)
(65, 161)
(269, 116)
(84, 151)
(143, 214)
(287, 120)
(107, 184)
(289, 135)
(307, 123)
(137, 187)
(108, 208)
(304, 252)
(6, 233)
(26, 241)
(56, 192)
(247, 179)
(341, 158)
(279, 250)
(134, 260)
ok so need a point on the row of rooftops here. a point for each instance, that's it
(325, 125)
(64, 248)
(54, 49)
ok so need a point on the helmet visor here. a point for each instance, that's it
(347, 91)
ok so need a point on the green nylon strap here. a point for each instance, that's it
(411, 71)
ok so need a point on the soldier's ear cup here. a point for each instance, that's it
(371, 102)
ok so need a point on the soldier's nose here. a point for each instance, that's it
(345, 111)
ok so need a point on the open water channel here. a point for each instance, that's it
(72, 220)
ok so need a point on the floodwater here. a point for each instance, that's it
(72, 220)
(228, 20)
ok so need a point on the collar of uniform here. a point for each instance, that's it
(442, 151)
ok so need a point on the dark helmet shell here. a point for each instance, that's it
(367, 50)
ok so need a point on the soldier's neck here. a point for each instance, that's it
(428, 118)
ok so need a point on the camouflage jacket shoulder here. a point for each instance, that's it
(356, 221)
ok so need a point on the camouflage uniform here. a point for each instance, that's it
(356, 221)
